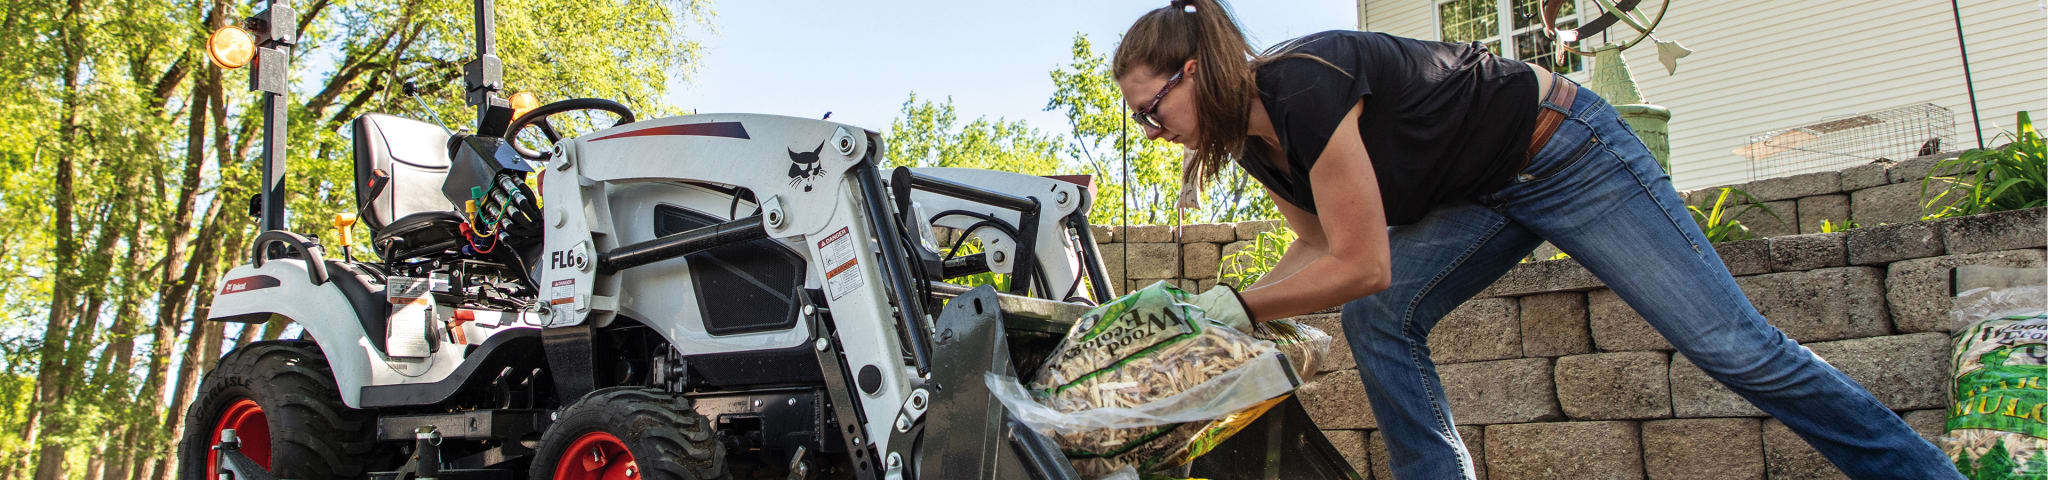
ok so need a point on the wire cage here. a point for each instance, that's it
(1840, 142)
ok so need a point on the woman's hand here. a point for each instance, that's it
(1349, 230)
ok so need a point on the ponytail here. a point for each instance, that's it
(1163, 40)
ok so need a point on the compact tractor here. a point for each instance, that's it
(694, 297)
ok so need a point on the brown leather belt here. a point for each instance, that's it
(1562, 92)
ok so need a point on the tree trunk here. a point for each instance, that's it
(275, 329)
(114, 377)
(64, 373)
(205, 93)
(248, 333)
(203, 349)
(180, 218)
(61, 293)
(97, 466)
(120, 460)
(188, 375)
(113, 374)
(152, 400)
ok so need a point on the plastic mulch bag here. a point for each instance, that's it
(2000, 383)
(1147, 382)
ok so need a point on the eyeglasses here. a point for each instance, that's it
(1148, 116)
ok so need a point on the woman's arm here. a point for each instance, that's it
(1354, 261)
(1308, 243)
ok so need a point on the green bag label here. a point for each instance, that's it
(1124, 330)
(2002, 377)
(2000, 396)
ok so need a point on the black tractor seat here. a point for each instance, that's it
(401, 166)
(423, 233)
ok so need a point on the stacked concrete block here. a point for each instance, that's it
(1615, 386)
(1821, 211)
(1554, 324)
(1916, 290)
(1351, 444)
(1703, 449)
(1479, 330)
(1565, 450)
(1793, 253)
(1208, 233)
(1500, 391)
(1746, 257)
(1336, 400)
(1474, 439)
(1824, 304)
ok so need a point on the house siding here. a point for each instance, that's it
(1761, 66)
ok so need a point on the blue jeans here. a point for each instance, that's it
(1596, 193)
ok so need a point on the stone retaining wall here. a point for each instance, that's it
(1870, 194)
(1550, 375)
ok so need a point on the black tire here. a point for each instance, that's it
(313, 436)
(667, 438)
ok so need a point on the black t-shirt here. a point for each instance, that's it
(1442, 121)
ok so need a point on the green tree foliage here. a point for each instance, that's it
(929, 134)
(1103, 143)
(1108, 143)
(128, 161)
(1135, 179)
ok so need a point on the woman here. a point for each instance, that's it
(1473, 160)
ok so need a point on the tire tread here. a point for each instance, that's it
(667, 437)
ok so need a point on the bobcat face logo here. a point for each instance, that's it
(804, 167)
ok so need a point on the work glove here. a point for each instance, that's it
(1222, 304)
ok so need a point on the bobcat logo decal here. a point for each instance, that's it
(804, 167)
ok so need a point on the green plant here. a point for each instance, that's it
(1721, 226)
(1829, 226)
(2010, 177)
(1243, 268)
(1556, 256)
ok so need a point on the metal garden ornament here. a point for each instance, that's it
(1611, 77)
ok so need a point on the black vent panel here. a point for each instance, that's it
(741, 288)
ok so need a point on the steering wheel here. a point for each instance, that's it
(540, 114)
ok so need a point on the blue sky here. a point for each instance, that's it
(861, 60)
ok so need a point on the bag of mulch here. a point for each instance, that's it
(1147, 382)
(2000, 383)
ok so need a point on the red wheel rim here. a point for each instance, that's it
(251, 427)
(596, 456)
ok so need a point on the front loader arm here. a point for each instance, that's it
(1034, 228)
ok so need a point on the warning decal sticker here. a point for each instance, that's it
(564, 291)
(407, 290)
(842, 274)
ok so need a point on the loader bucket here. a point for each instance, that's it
(971, 435)
(1282, 444)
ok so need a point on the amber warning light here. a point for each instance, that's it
(230, 47)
